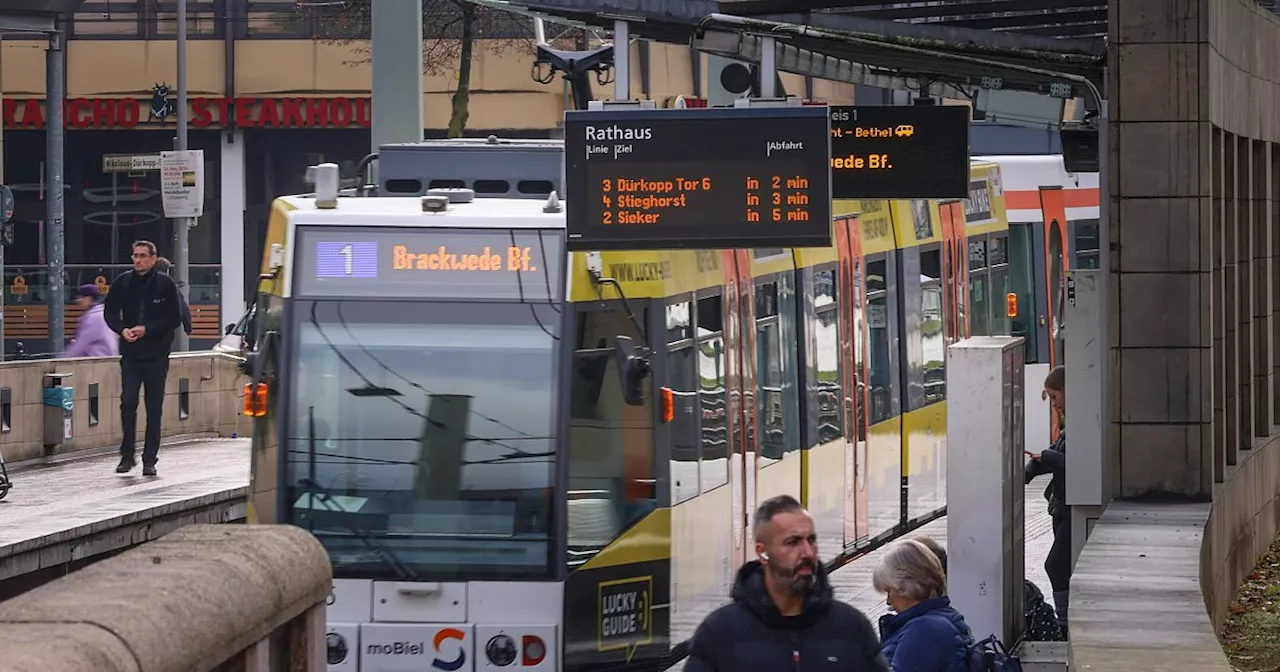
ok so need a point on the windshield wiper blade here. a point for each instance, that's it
(384, 553)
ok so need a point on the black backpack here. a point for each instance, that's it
(1041, 620)
(989, 655)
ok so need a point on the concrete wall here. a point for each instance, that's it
(1195, 299)
(196, 599)
(212, 405)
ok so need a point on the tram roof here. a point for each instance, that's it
(512, 213)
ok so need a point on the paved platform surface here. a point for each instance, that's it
(68, 502)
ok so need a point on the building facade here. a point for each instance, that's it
(270, 91)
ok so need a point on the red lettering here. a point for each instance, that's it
(340, 110)
(201, 115)
(32, 115)
(291, 114)
(128, 111)
(75, 112)
(318, 112)
(123, 113)
(104, 113)
(364, 112)
(267, 114)
(244, 112)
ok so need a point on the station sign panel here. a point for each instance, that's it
(673, 179)
(428, 263)
(899, 151)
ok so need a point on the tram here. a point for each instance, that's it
(450, 402)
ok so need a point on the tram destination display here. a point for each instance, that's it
(672, 179)
(411, 262)
(899, 151)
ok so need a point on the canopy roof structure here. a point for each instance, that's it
(33, 16)
(945, 48)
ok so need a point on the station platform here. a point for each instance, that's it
(74, 510)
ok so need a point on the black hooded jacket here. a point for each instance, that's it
(751, 635)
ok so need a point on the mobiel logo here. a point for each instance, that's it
(397, 649)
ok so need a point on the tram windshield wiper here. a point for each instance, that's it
(382, 551)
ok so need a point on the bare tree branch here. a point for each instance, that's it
(495, 31)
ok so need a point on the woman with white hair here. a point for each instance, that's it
(925, 634)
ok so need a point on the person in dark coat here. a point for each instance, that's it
(143, 307)
(925, 634)
(784, 616)
(1053, 460)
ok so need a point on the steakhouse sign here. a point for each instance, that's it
(293, 112)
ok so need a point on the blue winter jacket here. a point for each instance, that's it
(929, 637)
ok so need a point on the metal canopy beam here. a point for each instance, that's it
(691, 13)
(33, 16)
(866, 55)
(26, 23)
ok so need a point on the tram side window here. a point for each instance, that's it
(611, 480)
(998, 263)
(980, 297)
(682, 381)
(712, 397)
(882, 331)
(933, 350)
(775, 405)
(828, 389)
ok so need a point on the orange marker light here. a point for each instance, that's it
(668, 405)
(1011, 304)
(255, 400)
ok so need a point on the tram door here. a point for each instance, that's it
(1053, 206)
(955, 270)
(851, 293)
(741, 336)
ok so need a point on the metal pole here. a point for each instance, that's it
(182, 253)
(621, 61)
(768, 67)
(55, 88)
(397, 76)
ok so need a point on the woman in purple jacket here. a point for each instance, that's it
(93, 337)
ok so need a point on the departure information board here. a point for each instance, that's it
(900, 151)
(667, 179)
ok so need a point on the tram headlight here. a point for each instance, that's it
(535, 650)
(337, 646)
(501, 650)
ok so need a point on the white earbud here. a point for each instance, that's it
(764, 556)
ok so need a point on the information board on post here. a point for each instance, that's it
(674, 179)
(899, 151)
(182, 183)
(428, 263)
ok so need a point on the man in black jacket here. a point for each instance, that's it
(784, 617)
(143, 306)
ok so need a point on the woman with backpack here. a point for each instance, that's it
(1039, 621)
(925, 634)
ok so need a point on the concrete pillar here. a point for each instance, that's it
(232, 230)
(1162, 274)
(1196, 278)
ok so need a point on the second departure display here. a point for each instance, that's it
(646, 179)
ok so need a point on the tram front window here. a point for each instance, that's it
(420, 436)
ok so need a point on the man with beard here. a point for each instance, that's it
(784, 617)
